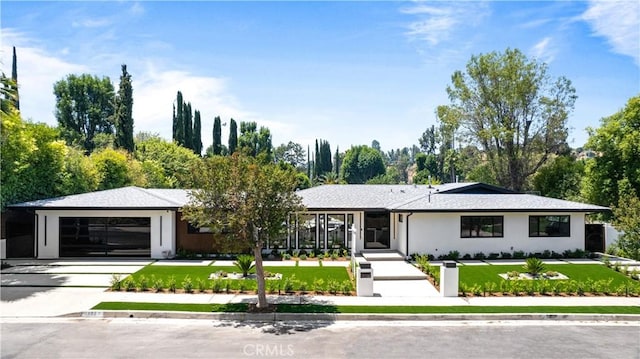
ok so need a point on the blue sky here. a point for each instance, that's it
(347, 72)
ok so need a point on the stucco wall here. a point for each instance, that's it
(48, 228)
(439, 233)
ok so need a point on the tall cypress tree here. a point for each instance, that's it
(14, 78)
(233, 136)
(325, 155)
(217, 136)
(197, 134)
(317, 162)
(336, 161)
(179, 125)
(123, 112)
(188, 126)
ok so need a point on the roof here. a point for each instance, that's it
(451, 197)
(117, 198)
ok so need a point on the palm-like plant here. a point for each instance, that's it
(534, 266)
(244, 263)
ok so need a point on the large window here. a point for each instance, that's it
(99, 236)
(549, 226)
(307, 231)
(335, 231)
(481, 226)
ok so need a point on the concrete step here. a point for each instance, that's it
(395, 270)
(382, 256)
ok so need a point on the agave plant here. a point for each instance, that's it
(534, 266)
(244, 263)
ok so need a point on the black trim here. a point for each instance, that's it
(45, 231)
(97, 208)
(541, 210)
(480, 188)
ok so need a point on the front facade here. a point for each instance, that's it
(466, 217)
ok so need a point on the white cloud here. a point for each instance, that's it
(619, 23)
(37, 72)
(544, 50)
(91, 23)
(438, 22)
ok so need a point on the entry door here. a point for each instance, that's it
(376, 225)
(594, 238)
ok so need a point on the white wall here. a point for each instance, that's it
(439, 233)
(163, 229)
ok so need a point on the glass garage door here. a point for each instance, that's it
(105, 236)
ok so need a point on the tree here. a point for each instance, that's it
(247, 203)
(361, 163)
(124, 112)
(513, 110)
(197, 134)
(291, 153)
(178, 163)
(188, 126)
(84, 108)
(254, 142)
(217, 136)
(561, 178)
(617, 144)
(233, 136)
(14, 78)
(627, 219)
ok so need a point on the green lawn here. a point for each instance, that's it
(305, 279)
(471, 275)
(315, 308)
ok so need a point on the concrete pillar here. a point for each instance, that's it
(449, 279)
(364, 280)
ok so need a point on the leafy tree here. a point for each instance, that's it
(302, 181)
(513, 110)
(247, 203)
(80, 174)
(123, 112)
(429, 140)
(254, 142)
(627, 219)
(560, 179)
(291, 153)
(617, 143)
(392, 176)
(361, 163)
(217, 136)
(84, 108)
(197, 134)
(233, 136)
(113, 168)
(178, 163)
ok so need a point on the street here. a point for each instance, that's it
(178, 338)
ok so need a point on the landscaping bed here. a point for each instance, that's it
(195, 279)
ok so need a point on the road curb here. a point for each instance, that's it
(331, 317)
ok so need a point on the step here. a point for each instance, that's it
(382, 256)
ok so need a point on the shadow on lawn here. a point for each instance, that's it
(277, 322)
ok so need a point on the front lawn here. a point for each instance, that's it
(196, 279)
(379, 309)
(583, 278)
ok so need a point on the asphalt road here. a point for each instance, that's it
(166, 338)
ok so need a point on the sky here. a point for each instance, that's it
(348, 72)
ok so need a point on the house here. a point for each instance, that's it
(466, 217)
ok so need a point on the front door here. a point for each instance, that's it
(376, 226)
(594, 238)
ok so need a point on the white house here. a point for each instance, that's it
(465, 217)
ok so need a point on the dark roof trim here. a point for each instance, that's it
(519, 210)
(100, 208)
(480, 188)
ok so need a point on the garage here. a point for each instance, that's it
(105, 236)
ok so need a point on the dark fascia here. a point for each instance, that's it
(537, 210)
(95, 208)
(489, 187)
(332, 209)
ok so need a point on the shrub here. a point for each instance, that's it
(286, 256)
(216, 285)
(171, 284)
(157, 284)
(346, 287)
(513, 275)
(318, 285)
(453, 255)
(345, 253)
(493, 256)
(201, 285)
(114, 282)
(505, 255)
(466, 256)
(312, 254)
(287, 285)
(490, 287)
(479, 256)
(303, 257)
(143, 283)
(534, 266)
(518, 255)
(187, 284)
(242, 285)
(546, 254)
(476, 289)
(423, 263)
(320, 257)
(244, 263)
(550, 274)
(333, 286)
(303, 286)
(295, 254)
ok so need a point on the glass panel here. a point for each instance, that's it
(321, 236)
(335, 231)
(279, 241)
(350, 229)
(481, 226)
(307, 231)
(377, 234)
(549, 226)
(95, 236)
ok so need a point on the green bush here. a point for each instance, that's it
(217, 285)
(187, 285)
(171, 284)
(142, 284)
(534, 266)
(114, 282)
(128, 284)
(244, 263)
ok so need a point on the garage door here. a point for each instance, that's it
(105, 236)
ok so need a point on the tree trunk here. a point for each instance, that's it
(262, 293)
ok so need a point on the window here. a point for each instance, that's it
(481, 226)
(400, 218)
(335, 231)
(549, 226)
(307, 231)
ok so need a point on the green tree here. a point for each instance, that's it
(247, 203)
(561, 178)
(197, 134)
(617, 144)
(112, 167)
(291, 153)
(188, 126)
(217, 136)
(361, 163)
(233, 136)
(80, 174)
(178, 163)
(84, 108)
(627, 219)
(510, 106)
(14, 79)
(124, 112)
(254, 142)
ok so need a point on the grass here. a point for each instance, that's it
(307, 274)
(481, 274)
(355, 309)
